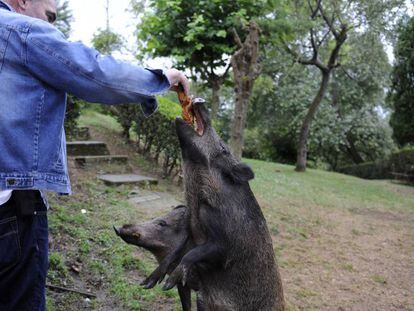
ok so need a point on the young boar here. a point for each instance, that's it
(227, 226)
(165, 237)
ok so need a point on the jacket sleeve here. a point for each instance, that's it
(74, 68)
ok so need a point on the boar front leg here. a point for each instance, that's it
(209, 253)
(185, 296)
(159, 273)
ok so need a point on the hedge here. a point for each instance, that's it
(368, 170)
(73, 109)
(401, 162)
(156, 136)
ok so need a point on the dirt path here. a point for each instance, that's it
(356, 260)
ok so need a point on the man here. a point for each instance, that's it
(37, 67)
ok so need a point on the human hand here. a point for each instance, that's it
(178, 80)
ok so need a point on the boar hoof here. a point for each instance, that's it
(149, 282)
(156, 277)
(179, 274)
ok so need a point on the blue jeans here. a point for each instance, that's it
(23, 252)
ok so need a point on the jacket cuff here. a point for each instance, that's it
(160, 73)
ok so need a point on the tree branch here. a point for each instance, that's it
(314, 61)
(323, 38)
(328, 21)
(224, 75)
(237, 38)
(314, 11)
(348, 74)
(340, 39)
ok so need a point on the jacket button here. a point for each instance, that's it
(11, 182)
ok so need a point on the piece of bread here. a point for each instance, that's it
(186, 104)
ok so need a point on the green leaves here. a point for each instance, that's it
(221, 34)
(64, 17)
(195, 28)
(107, 41)
(197, 31)
(402, 91)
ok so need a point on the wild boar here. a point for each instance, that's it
(227, 225)
(167, 238)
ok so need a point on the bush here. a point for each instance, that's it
(157, 137)
(73, 109)
(368, 170)
(403, 161)
(125, 114)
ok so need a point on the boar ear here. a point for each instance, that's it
(241, 173)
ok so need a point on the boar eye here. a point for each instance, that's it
(224, 150)
(162, 223)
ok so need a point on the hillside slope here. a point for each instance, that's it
(342, 243)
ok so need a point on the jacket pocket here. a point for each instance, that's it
(4, 41)
(10, 250)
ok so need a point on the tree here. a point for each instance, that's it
(105, 40)
(328, 25)
(402, 90)
(64, 17)
(245, 70)
(349, 127)
(197, 34)
(357, 95)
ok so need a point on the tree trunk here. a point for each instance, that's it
(239, 124)
(215, 97)
(304, 132)
(352, 150)
(245, 70)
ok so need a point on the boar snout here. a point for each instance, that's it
(129, 234)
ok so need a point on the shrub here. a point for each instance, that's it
(368, 170)
(403, 161)
(125, 114)
(157, 137)
(73, 109)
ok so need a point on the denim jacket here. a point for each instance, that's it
(37, 67)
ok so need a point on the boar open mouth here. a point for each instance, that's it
(199, 124)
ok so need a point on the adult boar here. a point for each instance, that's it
(227, 225)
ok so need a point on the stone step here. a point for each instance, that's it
(115, 180)
(82, 134)
(83, 161)
(155, 203)
(87, 148)
(144, 198)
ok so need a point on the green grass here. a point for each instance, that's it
(98, 120)
(277, 183)
(89, 238)
(379, 279)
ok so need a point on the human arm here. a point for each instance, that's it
(82, 71)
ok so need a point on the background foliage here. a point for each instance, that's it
(402, 88)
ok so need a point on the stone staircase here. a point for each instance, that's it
(95, 154)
